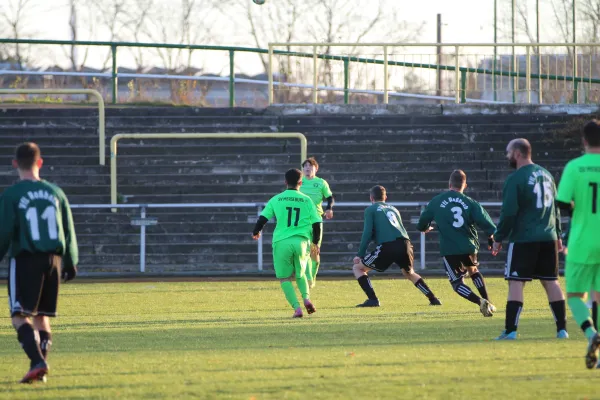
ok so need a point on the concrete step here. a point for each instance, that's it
(293, 157)
(393, 196)
(194, 149)
(239, 167)
(70, 136)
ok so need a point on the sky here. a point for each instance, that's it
(464, 21)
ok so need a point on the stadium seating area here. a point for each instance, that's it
(412, 156)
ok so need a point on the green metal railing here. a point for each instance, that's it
(461, 72)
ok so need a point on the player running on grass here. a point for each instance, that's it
(297, 224)
(457, 216)
(317, 189)
(578, 194)
(383, 224)
(37, 225)
(531, 223)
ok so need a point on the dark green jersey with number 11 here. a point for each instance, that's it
(456, 216)
(35, 217)
(528, 211)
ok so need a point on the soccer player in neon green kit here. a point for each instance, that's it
(297, 225)
(317, 189)
(578, 193)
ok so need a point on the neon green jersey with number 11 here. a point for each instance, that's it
(295, 213)
(580, 183)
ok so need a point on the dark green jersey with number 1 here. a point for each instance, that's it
(456, 216)
(383, 223)
(528, 212)
(35, 217)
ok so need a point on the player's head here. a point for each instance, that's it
(591, 134)
(377, 193)
(293, 178)
(458, 180)
(518, 151)
(28, 158)
(310, 166)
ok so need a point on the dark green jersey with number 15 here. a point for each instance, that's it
(35, 217)
(456, 216)
(528, 212)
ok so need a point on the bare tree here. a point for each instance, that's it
(14, 13)
(136, 26)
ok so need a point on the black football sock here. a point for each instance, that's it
(45, 343)
(466, 292)
(480, 284)
(559, 310)
(29, 341)
(513, 312)
(422, 286)
(595, 314)
(365, 284)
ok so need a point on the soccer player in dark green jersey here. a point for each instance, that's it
(297, 225)
(456, 217)
(37, 226)
(383, 224)
(317, 189)
(578, 195)
(531, 223)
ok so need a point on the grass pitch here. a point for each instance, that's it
(214, 340)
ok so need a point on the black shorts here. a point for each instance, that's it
(532, 260)
(456, 265)
(400, 251)
(33, 281)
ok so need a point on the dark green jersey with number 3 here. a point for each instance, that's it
(35, 217)
(528, 211)
(456, 216)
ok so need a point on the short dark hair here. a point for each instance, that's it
(522, 146)
(377, 192)
(591, 133)
(293, 177)
(311, 161)
(27, 154)
(458, 178)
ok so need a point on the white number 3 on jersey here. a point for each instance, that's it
(458, 218)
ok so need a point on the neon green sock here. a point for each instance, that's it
(581, 314)
(315, 269)
(303, 286)
(290, 294)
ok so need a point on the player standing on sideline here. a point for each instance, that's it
(578, 195)
(37, 225)
(297, 223)
(317, 189)
(456, 216)
(384, 225)
(532, 224)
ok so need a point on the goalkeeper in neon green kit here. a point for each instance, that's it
(579, 195)
(318, 190)
(295, 239)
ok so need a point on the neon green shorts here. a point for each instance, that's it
(582, 277)
(291, 257)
